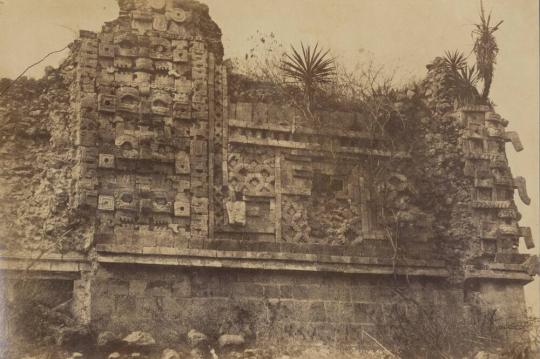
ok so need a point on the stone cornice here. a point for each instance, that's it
(37, 264)
(498, 274)
(273, 261)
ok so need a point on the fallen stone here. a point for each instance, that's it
(139, 338)
(197, 339)
(114, 355)
(135, 355)
(105, 338)
(76, 355)
(230, 340)
(170, 354)
(486, 355)
(72, 335)
(197, 354)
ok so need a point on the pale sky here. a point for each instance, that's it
(401, 34)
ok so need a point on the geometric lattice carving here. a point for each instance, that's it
(252, 174)
(295, 227)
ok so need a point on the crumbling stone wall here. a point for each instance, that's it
(39, 163)
(276, 155)
(470, 144)
(268, 306)
(231, 213)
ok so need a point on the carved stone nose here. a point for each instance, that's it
(145, 205)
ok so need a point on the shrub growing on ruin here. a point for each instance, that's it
(416, 330)
(462, 78)
(485, 49)
(310, 68)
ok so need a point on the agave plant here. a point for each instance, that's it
(463, 79)
(466, 81)
(310, 67)
(485, 49)
(454, 61)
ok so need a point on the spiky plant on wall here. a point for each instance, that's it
(485, 49)
(454, 61)
(310, 68)
(462, 78)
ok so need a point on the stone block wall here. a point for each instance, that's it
(250, 217)
(259, 304)
(507, 298)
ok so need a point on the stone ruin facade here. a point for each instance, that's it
(179, 207)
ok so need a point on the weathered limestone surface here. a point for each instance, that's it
(258, 304)
(172, 207)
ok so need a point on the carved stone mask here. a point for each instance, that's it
(126, 45)
(128, 99)
(126, 201)
(128, 146)
(161, 204)
(141, 21)
(160, 49)
(161, 104)
(183, 91)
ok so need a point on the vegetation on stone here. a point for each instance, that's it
(217, 209)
